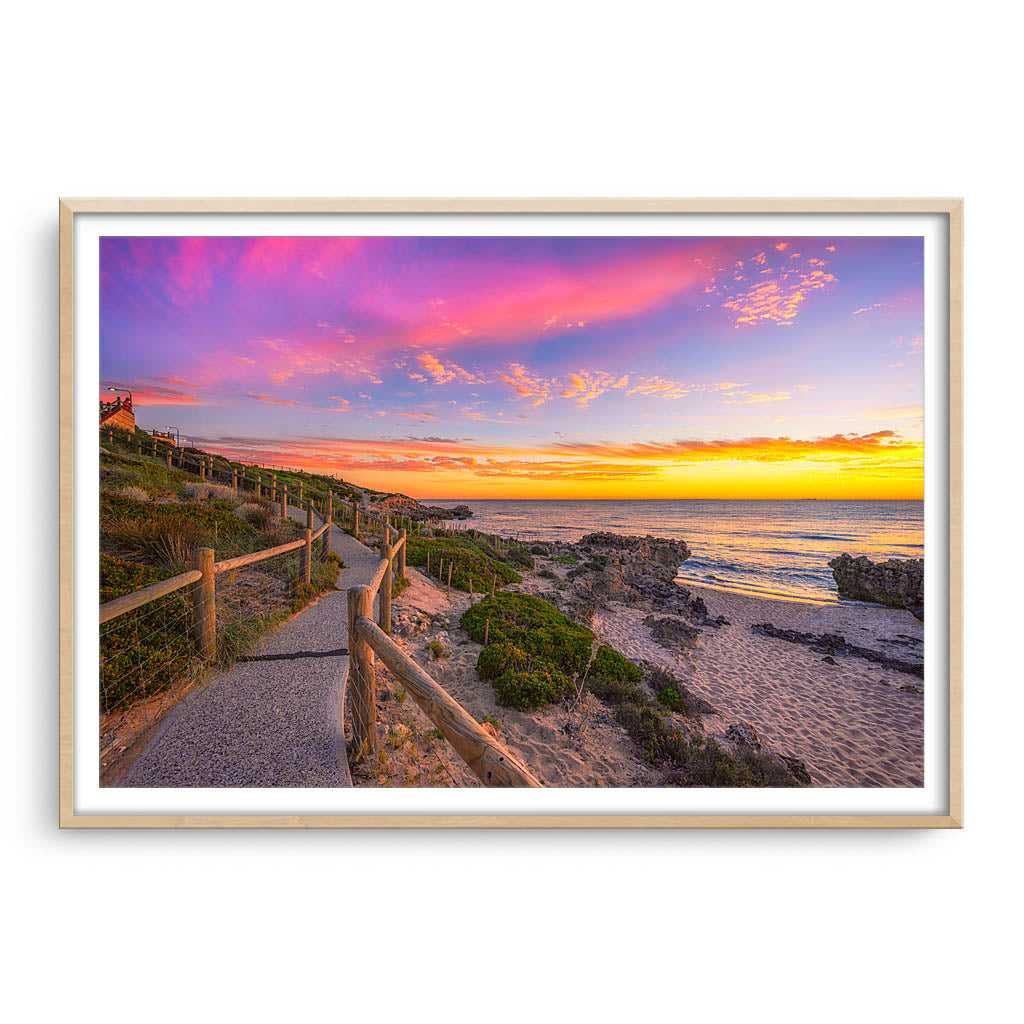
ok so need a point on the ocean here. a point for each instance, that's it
(761, 548)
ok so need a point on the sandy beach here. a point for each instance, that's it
(852, 722)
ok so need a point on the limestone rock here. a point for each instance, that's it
(897, 583)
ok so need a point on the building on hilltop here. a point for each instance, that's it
(118, 413)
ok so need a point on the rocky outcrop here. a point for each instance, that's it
(897, 583)
(403, 505)
(640, 571)
(673, 634)
(831, 644)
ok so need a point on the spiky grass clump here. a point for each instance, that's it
(207, 492)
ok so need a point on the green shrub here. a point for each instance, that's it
(437, 649)
(613, 691)
(525, 690)
(567, 560)
(118, 577)
(534, 650)
(534, 625)
(685, 700)
(611, 665)
(670, 698)
(697, 761)
(497, 659)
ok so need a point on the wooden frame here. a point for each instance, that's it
(950, 208)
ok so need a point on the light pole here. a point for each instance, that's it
(177, 436)
(130, 399)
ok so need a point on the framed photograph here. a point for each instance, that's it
(510, 513)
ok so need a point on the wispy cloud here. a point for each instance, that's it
(443, 373)
(528, 385)
(660, 387)
(775, 302)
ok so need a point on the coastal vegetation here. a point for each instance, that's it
(533, 651)
(474, 561)
(665, 739)
(153, 518)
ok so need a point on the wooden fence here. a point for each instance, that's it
(485, 756)
(492, 764)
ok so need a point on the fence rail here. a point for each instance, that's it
(138, 598)
(486, 757)
(492, 764)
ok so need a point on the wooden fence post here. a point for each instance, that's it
(202, 470)
(234, 479)
(300, 492)
(204, 608)
(385, 588)
(307, 556)
(361, 673)
(168, 460)
(401, 558)
(284, 501)
(273, 487)
(259, 486)
(330, 507)
(450, 564)
(355, 523)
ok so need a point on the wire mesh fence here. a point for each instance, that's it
(144, 651)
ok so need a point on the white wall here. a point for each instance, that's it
(517, 99)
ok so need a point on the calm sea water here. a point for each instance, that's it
(769, 548)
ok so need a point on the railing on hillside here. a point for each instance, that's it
(485, 756)
(155, 634)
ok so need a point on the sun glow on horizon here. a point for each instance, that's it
(556, 367)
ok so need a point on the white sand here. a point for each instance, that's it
(850, 722)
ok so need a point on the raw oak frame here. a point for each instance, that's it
(950, 207)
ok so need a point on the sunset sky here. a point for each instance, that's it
(519, 367)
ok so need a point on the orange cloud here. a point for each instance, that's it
(757, 449)
(443, 373)
(270, 398)
(587, 385)
(660, 387)
(879, 463)
(771, 301)
(528, 385)
(745, 398)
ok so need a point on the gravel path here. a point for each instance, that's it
(276, 718)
